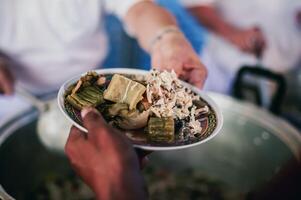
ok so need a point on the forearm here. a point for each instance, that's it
(157, 32)
(210, 18)
(145, 19)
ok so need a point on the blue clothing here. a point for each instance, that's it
(125, 52)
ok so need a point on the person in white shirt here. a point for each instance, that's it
(43, 43)
(240, 29)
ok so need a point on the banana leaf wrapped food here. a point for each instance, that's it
(88, 96)
(86, 92)
(161, 129)
(124, 90)
(128, 119)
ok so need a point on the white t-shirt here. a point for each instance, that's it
(277, 20)
(54, 40)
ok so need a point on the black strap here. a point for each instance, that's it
(240, 85)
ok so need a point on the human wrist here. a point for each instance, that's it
(171, 39)
(162, 34)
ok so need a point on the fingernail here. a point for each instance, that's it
(86, 110)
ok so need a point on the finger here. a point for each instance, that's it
(192, 63)
(94, 123)
(247, 43)
(198, 76)
(197, 81)
(257, 39)
(250, 44)
(257, 44)
(241, 43)
(172, 65)
(261, 40)
(100, 133)
(74, 139)
(91, 117)
(175, 64)
(156, 62)
(177, 67)
(75, 134)
(6, 84)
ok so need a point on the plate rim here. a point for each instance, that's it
(202, 94)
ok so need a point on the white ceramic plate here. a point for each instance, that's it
(212, 126)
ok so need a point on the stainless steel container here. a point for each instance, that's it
(257, 156)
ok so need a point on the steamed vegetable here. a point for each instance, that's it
(128, 119)
(86, 97)
(134, 120)
(124, 90)
(161, 129)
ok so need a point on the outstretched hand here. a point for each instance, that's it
(250, 40)
(174, 52)
(105, 159)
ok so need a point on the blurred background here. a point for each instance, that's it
(257, 155)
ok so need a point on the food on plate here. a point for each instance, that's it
(157, 104)
(128, 119)
(124, 90)
(87, 96)
(161, 129)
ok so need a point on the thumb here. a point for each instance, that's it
(75, 138)
(93, 121)
(198, 76)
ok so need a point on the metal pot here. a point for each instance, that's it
(255, 157)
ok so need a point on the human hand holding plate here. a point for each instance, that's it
(105, 159)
